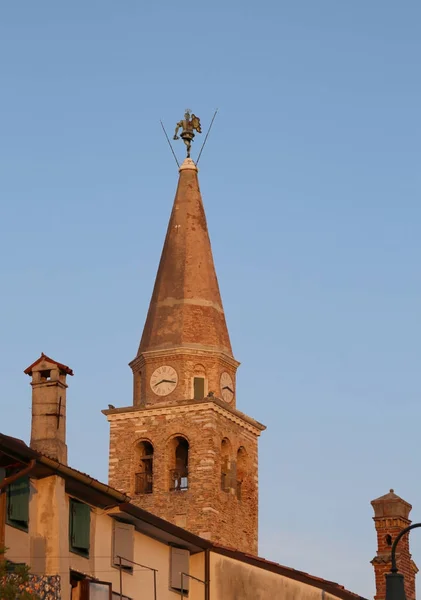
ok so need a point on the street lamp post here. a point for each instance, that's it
(395, 588)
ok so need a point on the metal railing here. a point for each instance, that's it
(143, 483)
(183, 575)
(120, 567)
(179, 480)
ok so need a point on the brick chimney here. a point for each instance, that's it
(48, 430)
(391, 515)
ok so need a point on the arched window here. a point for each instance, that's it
(144, 468)
(241, 469)
(179, 464)
(226, 466)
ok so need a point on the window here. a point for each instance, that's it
(79, 527)
(198, 388)
(123, 545)
(12, 567)
(144, 474)
(180, 563)
(84, 588)
(179, 462)
(96, 590)
(18, 504)
(45, 375)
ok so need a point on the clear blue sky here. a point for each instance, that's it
(311, 181)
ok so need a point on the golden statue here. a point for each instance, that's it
(189, 124)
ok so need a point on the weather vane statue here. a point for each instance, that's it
(189, 124)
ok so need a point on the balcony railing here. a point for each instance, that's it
(143, 483)
(179, 480)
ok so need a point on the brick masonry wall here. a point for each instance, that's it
(382, 562)
(187, 364)
(204, 509)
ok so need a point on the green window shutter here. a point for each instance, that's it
(80, 526)
(18, 502)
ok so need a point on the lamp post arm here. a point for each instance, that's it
(400, 535)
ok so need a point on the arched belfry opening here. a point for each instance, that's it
(144, 468)
(179, 464)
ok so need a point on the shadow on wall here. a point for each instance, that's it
(39, 553)
(237, 581)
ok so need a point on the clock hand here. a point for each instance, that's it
(164, 381)
(226, 387)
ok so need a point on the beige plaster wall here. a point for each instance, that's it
(46, 548)
(231, 580)
(147, 551)
(197, 569)
(17, 544)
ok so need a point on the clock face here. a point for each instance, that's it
(227, 387)
(164, 380)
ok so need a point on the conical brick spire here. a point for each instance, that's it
(186, 308)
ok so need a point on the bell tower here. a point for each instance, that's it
(182, 450)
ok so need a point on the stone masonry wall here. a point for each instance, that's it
(204, 509)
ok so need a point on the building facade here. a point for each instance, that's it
(182, 449)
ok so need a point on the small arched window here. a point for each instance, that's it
(144, 468)
(179, 464)
(241, 469)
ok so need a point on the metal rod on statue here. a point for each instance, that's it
(206, 136)
(169, 143)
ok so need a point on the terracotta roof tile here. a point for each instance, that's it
(43, 356)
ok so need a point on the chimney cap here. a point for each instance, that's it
(46, 358)
(391, 505)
